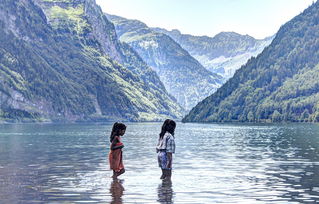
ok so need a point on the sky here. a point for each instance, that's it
(257, 18)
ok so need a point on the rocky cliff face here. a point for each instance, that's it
(183, 76)
(224, 53)
(103, 31)
(61, 60)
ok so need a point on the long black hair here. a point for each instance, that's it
(117, 127)
(168, 126)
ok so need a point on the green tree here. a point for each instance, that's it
(250, 116)
(305, 116)
(276, 116)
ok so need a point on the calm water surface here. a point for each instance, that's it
(213, 164)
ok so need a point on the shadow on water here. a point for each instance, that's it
(116, 191)
(165, 192)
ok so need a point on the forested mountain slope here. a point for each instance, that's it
(281, 84)
(60, 60)
(183, 76)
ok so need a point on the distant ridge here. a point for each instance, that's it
(183, 76)
(222, 54)
(281, 84)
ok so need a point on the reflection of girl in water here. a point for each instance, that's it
(166, 148)
(165, 192)
(116, 191)
(115, 156)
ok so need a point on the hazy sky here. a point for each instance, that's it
(258, 18)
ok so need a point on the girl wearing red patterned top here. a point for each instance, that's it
(115, 155)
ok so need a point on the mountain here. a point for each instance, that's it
(224, 53)
(281, 84)
(60, 60)
(183, 76)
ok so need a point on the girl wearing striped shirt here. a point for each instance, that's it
(166, 147)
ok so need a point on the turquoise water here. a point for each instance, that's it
(227, 163)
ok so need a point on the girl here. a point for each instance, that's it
(115, 156)
(166, 148)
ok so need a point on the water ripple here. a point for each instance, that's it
(213, 164)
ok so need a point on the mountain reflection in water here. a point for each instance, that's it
(214, 163)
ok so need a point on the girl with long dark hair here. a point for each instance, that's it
(166, 147)
(115, 155)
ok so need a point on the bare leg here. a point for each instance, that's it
(121, 172)
(169, 165)
(114, 175)
(169, 173)
(163, 174)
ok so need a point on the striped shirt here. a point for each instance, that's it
(166, 143)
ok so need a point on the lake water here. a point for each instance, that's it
(226, 163)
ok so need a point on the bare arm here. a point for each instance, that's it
(115, 140)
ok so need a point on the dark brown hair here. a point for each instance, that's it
(168, 126)
(117, 127)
